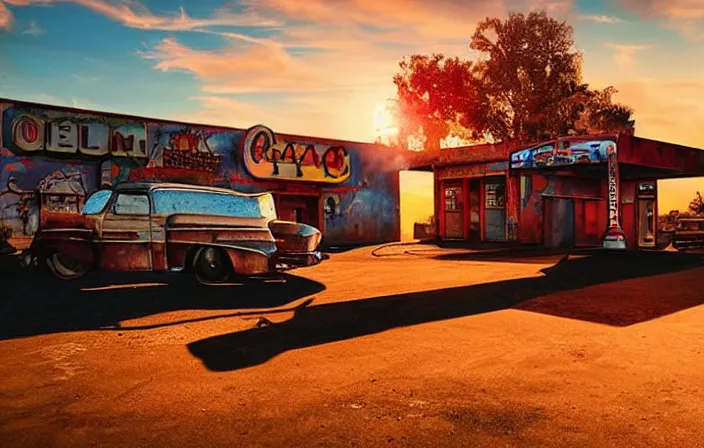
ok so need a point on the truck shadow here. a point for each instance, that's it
(339, 321)
(34, 303)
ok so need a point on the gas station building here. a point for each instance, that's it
(570, 192)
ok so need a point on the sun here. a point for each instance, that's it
(384, 123)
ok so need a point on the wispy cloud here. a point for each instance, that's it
(599, 18)
(133, 14)
(552, 7)
(85, 79)
(624, 55)
(78, 103)
(34, 30)
(339, 55)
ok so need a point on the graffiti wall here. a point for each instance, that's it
(66, 155)
(359, 184)
(57, 154)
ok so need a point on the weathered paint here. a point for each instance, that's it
(248, 262)
(537, 190)
(483, 153)
(64, 150)
(109, 241)
(592, 200)
(472, 170)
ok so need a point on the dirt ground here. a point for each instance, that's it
(408, 348)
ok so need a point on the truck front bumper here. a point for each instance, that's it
(289, 260)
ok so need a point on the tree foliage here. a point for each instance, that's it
(525, 84)
(696, 205)
(435, 92)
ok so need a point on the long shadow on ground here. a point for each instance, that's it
(33, 302)
(345, 320)
(525, 255)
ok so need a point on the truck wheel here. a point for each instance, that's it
(64, 267)
(212, 265)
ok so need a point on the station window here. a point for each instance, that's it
(453, 198)
(494, 195)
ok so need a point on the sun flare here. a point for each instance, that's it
(384, 122)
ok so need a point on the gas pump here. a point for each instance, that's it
(646, 226)
(615, 237)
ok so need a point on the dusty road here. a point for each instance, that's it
(421, 349)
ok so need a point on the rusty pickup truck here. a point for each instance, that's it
(214, 233)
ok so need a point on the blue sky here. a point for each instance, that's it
(321, 67)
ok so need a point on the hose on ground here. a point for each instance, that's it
(395, 244)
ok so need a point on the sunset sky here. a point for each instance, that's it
(320, 67)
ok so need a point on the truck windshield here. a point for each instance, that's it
(96, 202)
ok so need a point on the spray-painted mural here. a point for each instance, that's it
(68, 155)
(562, 152)
(52, 159)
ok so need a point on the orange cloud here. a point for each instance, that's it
(333, 59)
(6, 18)
(440, 19)
(241, 62)
(686, 16)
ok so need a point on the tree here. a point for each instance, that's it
(435, 94)
(696, 205)
(529, 65)
(525, 85)
(602, 116)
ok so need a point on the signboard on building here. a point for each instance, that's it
(562, 152)
(32, 132)
(267, 158)
(613, 185)
(472, 170)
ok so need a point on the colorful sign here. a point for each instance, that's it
(265, 158)
(613, 184)
(562, 152)
(72, 135)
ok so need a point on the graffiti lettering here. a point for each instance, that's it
(298, 155)
(32, 134)
(190, 150)
(265, 158)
